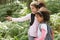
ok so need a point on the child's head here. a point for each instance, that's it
(35, 6)
(42, 16)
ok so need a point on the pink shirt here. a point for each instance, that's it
(41, 32)
(33, 29)
(42, 26)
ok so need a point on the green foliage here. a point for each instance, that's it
(53, 6)
(14, 30)
(18, 30)
(9, 9)
(57, 37)
(55, 23)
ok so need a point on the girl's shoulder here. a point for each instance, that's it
(43, 25)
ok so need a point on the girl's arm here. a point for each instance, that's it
(43, 34)
(27, 17)
(43, 31)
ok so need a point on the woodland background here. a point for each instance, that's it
(17, 8)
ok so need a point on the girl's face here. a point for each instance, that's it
(40, 19)
(33, 9)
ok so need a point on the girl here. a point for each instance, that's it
(33, 24)
(42, 17)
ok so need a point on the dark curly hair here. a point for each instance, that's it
(44, 14)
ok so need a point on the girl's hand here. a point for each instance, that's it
(9, 18)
